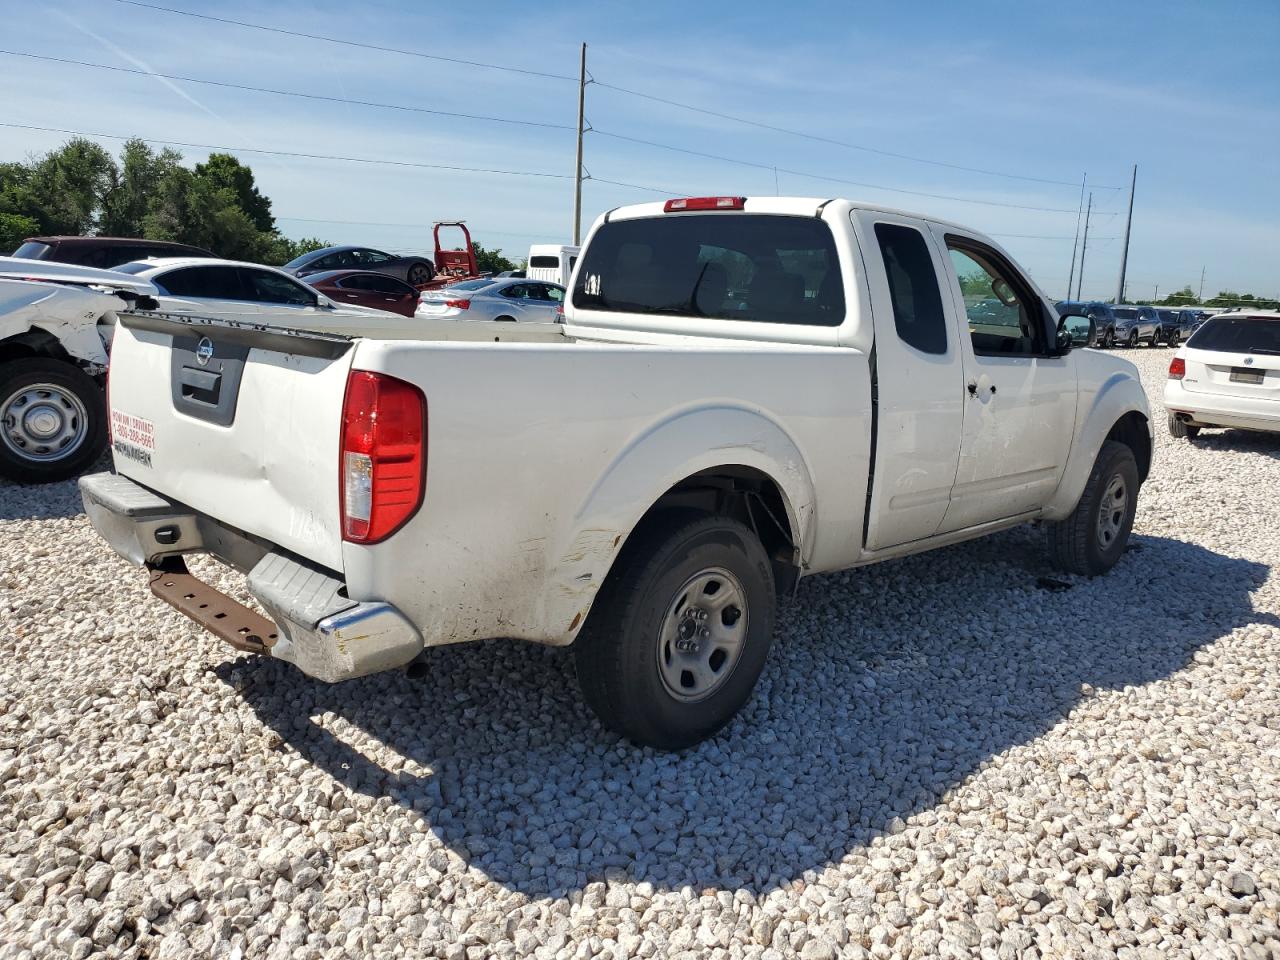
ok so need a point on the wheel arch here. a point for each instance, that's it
(755, 473)
(1119, 412)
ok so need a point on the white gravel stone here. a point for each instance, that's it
(943, 758)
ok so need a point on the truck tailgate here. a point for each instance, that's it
(236, 422)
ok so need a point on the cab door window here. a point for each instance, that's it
(1005, 319)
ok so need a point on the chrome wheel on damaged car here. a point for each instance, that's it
(52, 420)
(680, 632)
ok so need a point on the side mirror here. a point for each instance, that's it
(1075, 328)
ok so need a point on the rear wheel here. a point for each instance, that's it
(680, 632)
(53, 420)
(505, 319)
(1092, 539)
(1181, 429)
(420, 273)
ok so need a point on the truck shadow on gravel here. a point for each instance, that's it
(886, 688)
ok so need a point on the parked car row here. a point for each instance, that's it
(1125, 325)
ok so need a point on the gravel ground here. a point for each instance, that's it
(946, 756)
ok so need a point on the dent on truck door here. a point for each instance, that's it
(1019, 409)
(920, 380)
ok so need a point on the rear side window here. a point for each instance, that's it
(32, 250)
(267, 287)
(1238, 335)
(544, 262)
(216, 283)
(755, 267)
(913, 288)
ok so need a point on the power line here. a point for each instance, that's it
(828, 140)
(414, 226)
(819, 176)
(348, 43)
(291, 153)
(286, 93)
(619, 89)
(1027, 236)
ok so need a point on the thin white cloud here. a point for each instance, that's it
(140, 64)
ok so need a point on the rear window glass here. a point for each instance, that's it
(1238, 335)
(32, 250)
(467, 285)
(755, 267)
(913, 288)
(552, 262)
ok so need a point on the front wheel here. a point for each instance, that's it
(680, 632)
(1108, 340)
(53, 420)
(1157, 338)
(1133, 339)
(1093, 537)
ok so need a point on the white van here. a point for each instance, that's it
(552, 262)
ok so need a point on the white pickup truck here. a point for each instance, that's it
(743, 392)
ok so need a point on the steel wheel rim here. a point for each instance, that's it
(43, 422)
(1112, 510)
(703, 634)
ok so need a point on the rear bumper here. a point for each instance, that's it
(321, 630)
(1215, 410)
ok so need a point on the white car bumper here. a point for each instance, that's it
(1214, 410)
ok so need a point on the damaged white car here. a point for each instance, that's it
(56, 324)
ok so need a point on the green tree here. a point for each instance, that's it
(140, 178)
(81, 189)
(223, 171)
(14, 228)
(491, 261)
(65, 188)
(1180, 298)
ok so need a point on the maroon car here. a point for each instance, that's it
(366, 289)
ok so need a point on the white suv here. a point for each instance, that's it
(1227, 375)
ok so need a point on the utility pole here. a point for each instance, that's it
(577, 170)
(1200, 295)
(1124, 254)
(1075, 244)
(1156, 296)
(1088, 212)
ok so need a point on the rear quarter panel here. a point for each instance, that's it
(542, 458)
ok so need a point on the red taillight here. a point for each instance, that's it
(459, 304)
(1177, 368)
(704, 203)
(384, 455)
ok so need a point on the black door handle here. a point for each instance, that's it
(973, 389)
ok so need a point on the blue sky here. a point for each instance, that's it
(1189, 91)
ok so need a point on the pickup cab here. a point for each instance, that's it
(743, 392)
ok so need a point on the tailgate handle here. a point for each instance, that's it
(199, 385)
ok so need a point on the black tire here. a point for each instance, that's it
(504, 319)
(1108, 339)
(1182, 430)
(1156, 339)
(1075, 544)
(1132, 343)
(420, 273)
(619, 651)
(21, 458)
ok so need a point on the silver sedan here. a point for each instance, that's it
(512, 300)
